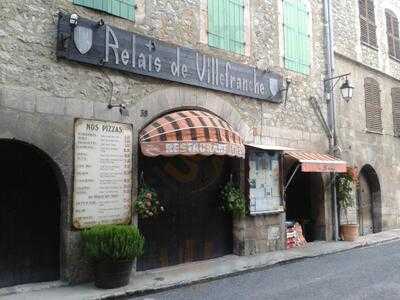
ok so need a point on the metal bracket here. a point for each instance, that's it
(329, 89)
(291, 177)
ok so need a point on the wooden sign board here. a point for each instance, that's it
(107, 46)
(102, 173)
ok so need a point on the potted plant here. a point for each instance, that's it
(113, 249)
(344, 189)
(233, 200)
(147, 204)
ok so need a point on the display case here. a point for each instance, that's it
(264, 182)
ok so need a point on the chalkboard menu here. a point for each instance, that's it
(102, 173)
(264, 182)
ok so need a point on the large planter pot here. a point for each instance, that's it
(112, 274)
(349, 232)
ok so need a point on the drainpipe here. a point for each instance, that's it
(329, 95)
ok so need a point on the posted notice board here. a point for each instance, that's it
(102, 173)
(264, 182)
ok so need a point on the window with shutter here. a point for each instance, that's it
(392, 27)
(396, 111)
(373, 109)
(367, 22)
(121, 8)
(226, 25)
(296, 30)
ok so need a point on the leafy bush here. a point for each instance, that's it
(344, 188)
(233, 200)
(147, 204)
(112, 242)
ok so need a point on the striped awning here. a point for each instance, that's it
(190, 132)
(318, 162)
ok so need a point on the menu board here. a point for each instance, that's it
(264, 182)
(102, 173)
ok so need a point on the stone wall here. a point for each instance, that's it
(359, 147)
(41, 95)
(259, 234)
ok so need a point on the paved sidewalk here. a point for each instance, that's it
(155, 280)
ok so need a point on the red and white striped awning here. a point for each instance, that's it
(190, 132)
(317, 162)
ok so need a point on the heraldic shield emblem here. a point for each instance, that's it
(273, 86)
(83, 38)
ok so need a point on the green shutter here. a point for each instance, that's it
(226, 25)
(296, 36)
(121, 8)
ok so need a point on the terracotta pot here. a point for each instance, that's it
(349, 232)
(109, 275)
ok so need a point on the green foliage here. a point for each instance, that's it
(344, 188)
(233, 200)
(112, 242)
(147, 204)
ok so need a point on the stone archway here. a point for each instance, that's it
(192, 226)
(179, 98)
(369, 201)
(30, 209)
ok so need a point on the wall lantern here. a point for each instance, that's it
(347, 91)
(73, 20)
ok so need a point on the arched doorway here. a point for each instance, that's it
(187, 157)
(369, 201)
(29, 215)
(305, 204)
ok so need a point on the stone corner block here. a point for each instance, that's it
(50, 105)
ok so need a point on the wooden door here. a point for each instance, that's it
(29, 217)
(365, 207)
(193, 227)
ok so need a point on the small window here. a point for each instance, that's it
(373, 110)
(226, 25)
(367, 22)
(121, 8)
(296, 25)
(396, 111)
(392, 27)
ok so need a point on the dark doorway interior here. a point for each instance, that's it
(369, 202)
(192, 227)
(305, 204)
(29, 216)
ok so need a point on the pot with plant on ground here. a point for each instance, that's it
(344, 188)
(113, 249)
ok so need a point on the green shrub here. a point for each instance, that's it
(344, 189)
(112, 242)
(233, 200)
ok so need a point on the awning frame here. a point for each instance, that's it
(323, 163)
(190, 132)
(291, 178)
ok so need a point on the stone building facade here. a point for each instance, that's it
(374, 153)
(41, 95)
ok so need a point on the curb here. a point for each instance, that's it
(148, 291)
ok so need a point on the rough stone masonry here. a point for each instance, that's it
(41, 95)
